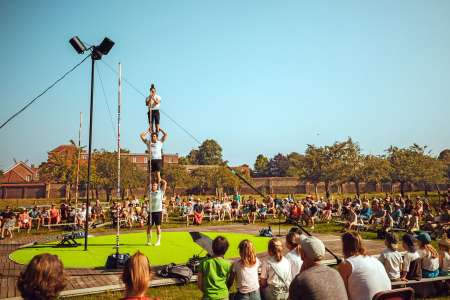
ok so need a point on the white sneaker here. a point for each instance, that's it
(158, 243)
(149, 243)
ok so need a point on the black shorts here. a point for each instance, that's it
(155, 117)
(157, 165)
(155, 218)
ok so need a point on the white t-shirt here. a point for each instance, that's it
(156, 199)
(446, 262)
(392, 262)
(246, 277)
(368, 277)
(296, 262)
(156, 149)
(408, 258)
(283, 266)
(428, 263)
(155, 106)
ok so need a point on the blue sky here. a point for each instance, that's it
(257, 76)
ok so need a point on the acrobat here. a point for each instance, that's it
(152, 102)
(155, 146)
(155, 196)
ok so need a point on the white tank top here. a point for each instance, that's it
(368, 277)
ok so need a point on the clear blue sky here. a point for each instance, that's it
(257, 76)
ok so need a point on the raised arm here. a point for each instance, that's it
(164, 137)
(143, 135)
(163, 185)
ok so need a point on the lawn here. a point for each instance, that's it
(176, 247)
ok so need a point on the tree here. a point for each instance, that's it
(412, 165)
(202, 178)
(192, 157)
(106, 170)
(210, 153)
(279, 165)
(311, 167)
(433, 171)
(261, 166)
(335, 167)
(376, 169)
(444, 157)
(177, 176)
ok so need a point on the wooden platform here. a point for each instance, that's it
(91, 281)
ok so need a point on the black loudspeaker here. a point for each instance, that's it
(117, 261)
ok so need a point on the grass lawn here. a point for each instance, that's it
(176, 247)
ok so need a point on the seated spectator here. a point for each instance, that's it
(366, 212)
(25, 220)
(363, 275)
(262, 212)
(198, 215)
(293, 256)
(444, 257)
(411, 259)
(327, 211)
(390, 257)
(97, 212)
(55, 217)
(428, 255)
(45, 216)
(275, 273)
(245, 272)
(136, 276)
(43, 279)
(214, 272)
(316, 281)
(35, 215)
(352, 222)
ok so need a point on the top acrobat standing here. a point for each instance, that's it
(152, 102)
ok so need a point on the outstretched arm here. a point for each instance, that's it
(164, 137)
(163, 185)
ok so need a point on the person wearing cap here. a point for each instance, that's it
(429, 256)
(316, 281)
(363, 275)
(444, 257)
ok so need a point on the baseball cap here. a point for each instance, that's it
(424, 237)
(313, 248)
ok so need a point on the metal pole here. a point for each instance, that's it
(78, 162)
(86, 226)
(118, 155)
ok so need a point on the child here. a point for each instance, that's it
(444, 257)
(245, 271)
(293, 256)
(429, 256)
(410, 258)
(390, 257)
(214, 272)
(275, 273)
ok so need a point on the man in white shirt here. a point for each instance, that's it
(155, 196)
(155, 146)
(152, 102)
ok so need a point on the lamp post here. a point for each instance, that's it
(96, 54)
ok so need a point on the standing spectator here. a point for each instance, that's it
(412, 266)
(391, 258)
(136, 276)
(55, 217)
(429, 256)
(316, 281)
(8, 222)
(42, 279)
(363, 275)
(275, 273)
(214, 272)
(252, 211)
(245, 271)
(293, 256)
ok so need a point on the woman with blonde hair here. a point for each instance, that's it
(245, 272)
(42, 279)
(136, 276)
(429, 256)
(363, 275)
(275, 273)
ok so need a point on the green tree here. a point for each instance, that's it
(444, 157)
(177, 176)
(261, 166)
(192, 157)
(106, 171)
(202, 178)
(312, 164)
(279, 165)
(210, 153)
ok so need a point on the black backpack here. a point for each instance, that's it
(183, 273)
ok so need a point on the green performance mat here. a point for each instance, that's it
(176, 247)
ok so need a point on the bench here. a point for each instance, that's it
(399, 284)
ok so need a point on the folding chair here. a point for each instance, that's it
(397, 294)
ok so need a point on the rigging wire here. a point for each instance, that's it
(162, 111)
(43, 92)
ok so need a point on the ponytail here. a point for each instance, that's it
(276, 249)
